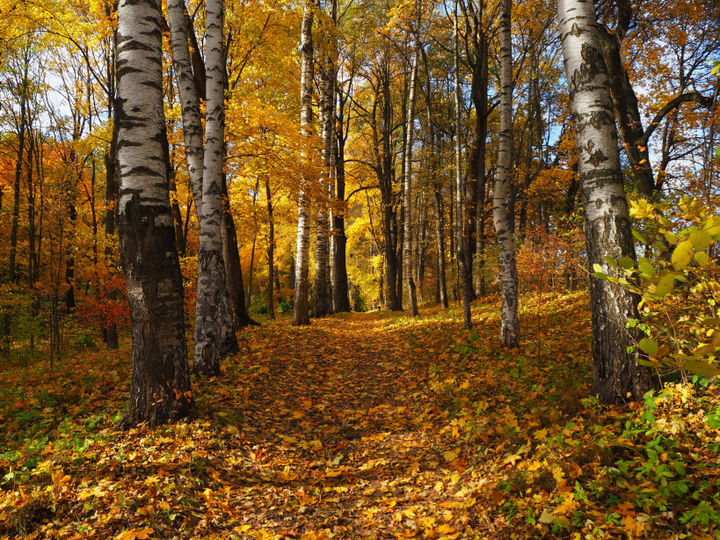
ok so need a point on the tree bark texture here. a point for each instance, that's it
(407, 183)
(322, 290)
(616, 373)
(160, 387)
(464, 266)
(502, 218)
(301, 313)
(340, 289)
(214, 330)
(189, 99)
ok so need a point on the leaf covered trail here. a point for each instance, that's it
(365, 426)
(343, 425)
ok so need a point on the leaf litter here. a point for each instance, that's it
(368, 425)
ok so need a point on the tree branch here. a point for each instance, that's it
(671, 105)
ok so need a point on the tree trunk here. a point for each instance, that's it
(616, 373)
(32, 252)
(322, 291)
(270, 250)
(340, 289)
(407, 183)
(214, 331)
(301, 315)
(189, 99)
(14, 274)
(627, 112)
(464, 265)
(110, 332)
(160, 387)
(233, 268)
(475, 198)
(503, 220)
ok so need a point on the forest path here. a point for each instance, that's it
(343, 430)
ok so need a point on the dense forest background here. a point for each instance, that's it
(521, 198)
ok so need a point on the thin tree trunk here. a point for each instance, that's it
(110, 332)
(616, 373)
(214, 331)
(160, 387)
(502, 218)
(340, 289)
(270, 250)
(14, 274)
(248, 297)
(32, 252)
(322, 290)
(301, 315)
(233, 267)
(189, 98)
(407, 183)
(463, 264)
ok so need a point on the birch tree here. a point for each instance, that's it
(301, 315)
(322, 292)
(616, 373)
(502, 219)
(160, 387)
(214, 332)
(407, 181)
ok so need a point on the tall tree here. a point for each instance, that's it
(407, 180)
(616, 373)
(214, 330)
(502, 218)
(301, 314)
(160, 387)
(322, 291)
(340, 288)
(464, 260)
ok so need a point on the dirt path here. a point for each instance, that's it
(343, 432)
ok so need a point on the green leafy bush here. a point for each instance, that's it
(679, 285)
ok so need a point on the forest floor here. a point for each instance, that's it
(367, 425)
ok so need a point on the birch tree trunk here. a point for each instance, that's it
(160, 387)
(503, 220)
(189, 99)
(463, 265)
(407, 184)
(214, 331)
(301, 315)
(322, 291)
(616, 373)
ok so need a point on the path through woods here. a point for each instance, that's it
(362, 426)
(343, 426)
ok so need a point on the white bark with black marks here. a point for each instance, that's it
(160, 387)
(616, 373)
(503, 220)
(301, 313)
(214, 331)
(407, 181)
(189, 98)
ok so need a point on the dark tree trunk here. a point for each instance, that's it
(14, 274)
(340, 289)
(270, 251)
(233, 268)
